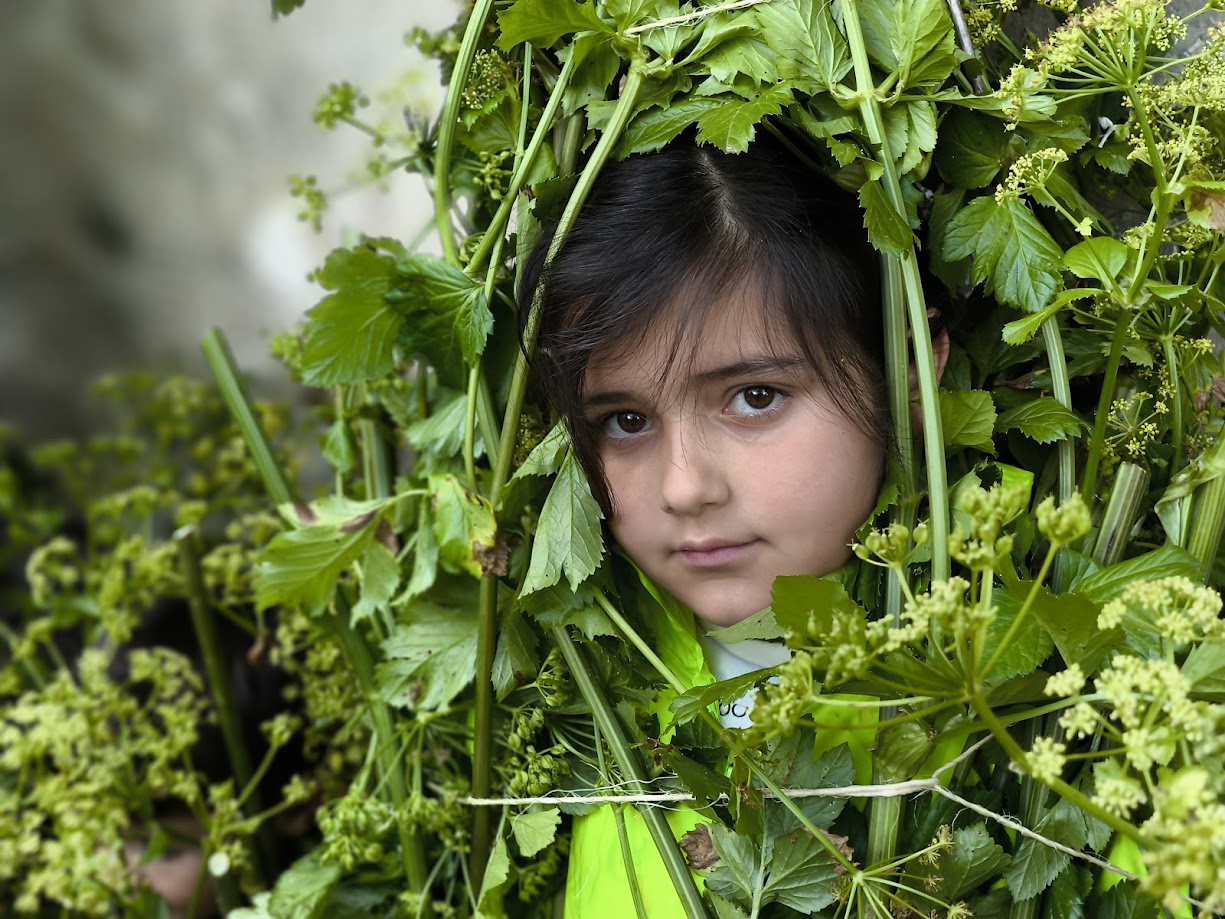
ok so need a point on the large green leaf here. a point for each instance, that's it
(543, 22)
(733, 124)
(350, 335)
(447, 314)
(300, 567)
(887, 229)
(809, 47)
(303, 888)
(1035, 864)
(431, 656)
(568, 538)
(971, 148)
(1168, 561)
(973, 859)
(1042, 419)
(535, 830)
(1071, 621)
(967, 419)
(655, 127)
(1014, 255)
(464, 526)
(1204, 669)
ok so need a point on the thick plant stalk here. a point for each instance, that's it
(354, 646)
(933, 440)
(446, 128)
(1062, 387)
(1208, 524)
(487, 628)
(1130, 487)
(1088, 484)
(631, 767)
(225, 371)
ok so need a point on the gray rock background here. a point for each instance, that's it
(145, 149)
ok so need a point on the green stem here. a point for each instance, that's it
(623, 840)
(1062, 788)
(1208, 524)
(1061, 386)
(376, 459)
(1164, 202)
(929, 395)
(487, 628)
(1175, 400)
(1088, 484)
(221, 361)
(631, 768)
(446, 128)
(1130, 487)
(361, 663)
(217, 669)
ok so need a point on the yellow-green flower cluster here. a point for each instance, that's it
(988, 512)
(1175, 609)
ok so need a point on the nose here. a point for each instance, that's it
(693, 474)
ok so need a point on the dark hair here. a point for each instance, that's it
(678, 231)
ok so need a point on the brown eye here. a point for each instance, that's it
(625, 424)
(759, 397)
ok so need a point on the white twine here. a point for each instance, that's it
(694, 16)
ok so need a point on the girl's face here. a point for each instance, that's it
(729, 465)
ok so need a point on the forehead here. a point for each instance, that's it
(687, 341)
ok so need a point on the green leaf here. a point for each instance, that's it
(515, 659)
(547, 456)
(971, 148)
(1067, 896)
(350, 335)
(758, 626)
(558, 605)
(739, 872)
(900, 750)
(797, 599)
(300, 567)
(810, 49)
(1175, 505)
(1020, 331)
(338, 448)
(380, 577)
(652, 129)
(464, 526)
(497, 876)
(968, 419)
(1042, 419)
(1124, 901)
(285, 7)
(801, 875)
(441, 436)
(794, 767)
(1029, 647)
(447, 313)
(1071, 621)
(535, 830)
(887, 229)
(1035, 865)
(1014, 256)
(431, 656)
(973, 859)
(1204, 669)
(733, 124)
(1103, 586)
(1100, 258)
(568, 538)
(543, 22)
(425, 555)
(303, 888)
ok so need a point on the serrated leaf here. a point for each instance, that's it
(558, 605)
(1035, 864)
(739, 871)
(801, 875)
(441, 435)
(568, 538)
(761, 626)
(1168, 561)
(431, 656)
(447, 314)
(1026, 650)
(1071, 621)
(350, 335)
(733, 124)
(887, 229)
(1100, 258)
(652, 129)
(464, 524)
(1014, 256)
(535, 830)
(971, 148)
(968, 419)
(302, 889)
(338, 448)
(300, 567)
(795, 599)
(1067, 897)
(547, 456)
(810, 49)
(380, 578)
(794, 767)
(543, 22)
(1020, 331)
(497, 876)
(973, 859)
(1042, 419)
(425, 555)
(515, 659)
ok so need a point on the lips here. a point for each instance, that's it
(715, 553)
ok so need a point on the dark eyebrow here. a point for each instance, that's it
(756, 366)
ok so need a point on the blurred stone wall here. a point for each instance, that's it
(145, 147)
